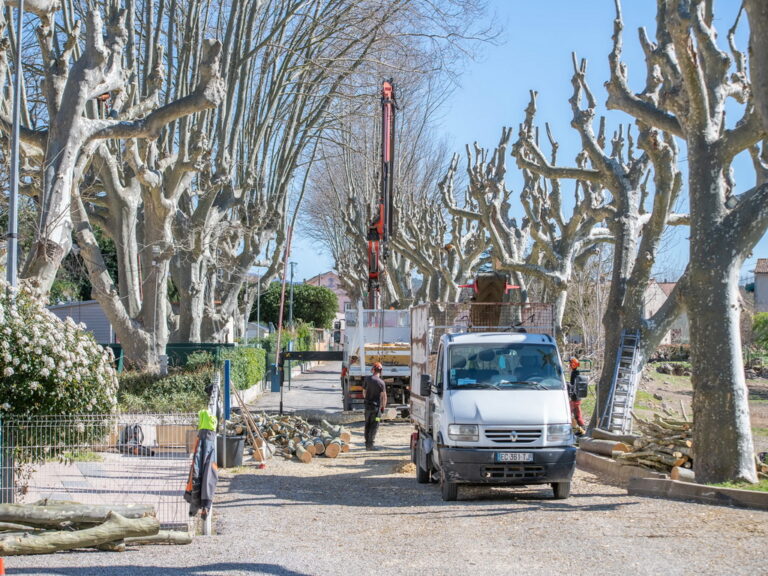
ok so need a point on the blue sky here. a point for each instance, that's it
(534, 53)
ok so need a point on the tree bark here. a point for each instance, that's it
(115, 527)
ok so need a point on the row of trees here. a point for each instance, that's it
(171, 142)
(617, 198)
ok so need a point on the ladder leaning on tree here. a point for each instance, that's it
(617, 415)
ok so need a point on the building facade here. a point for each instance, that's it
(331, 281)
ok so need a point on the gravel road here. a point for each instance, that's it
(358, 515)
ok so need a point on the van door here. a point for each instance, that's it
(438, 402)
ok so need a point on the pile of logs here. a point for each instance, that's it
(51, 526)
(664, 445)
(290, 436)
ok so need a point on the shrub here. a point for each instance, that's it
(248, 365)
(180, 391)
(50, 366)
(760, 329)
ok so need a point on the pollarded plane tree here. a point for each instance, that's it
(419, 50)
(446, 249)
(690, 81)
(298, 76)
(78, 68)
(132, 189)
(485, 199)
(620, 180)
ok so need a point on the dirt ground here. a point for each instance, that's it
(658, 391)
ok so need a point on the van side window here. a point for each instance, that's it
(439, 371)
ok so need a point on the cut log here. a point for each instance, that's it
(11, 527)
(302, 454)
(337, 431)
(333, 448)
(115, 527)
(62, 515)
(319, 446)
(598, 434)
(162, 537)
(602, 447)
(309, 446)
(682, 474)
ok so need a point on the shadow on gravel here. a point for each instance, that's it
(371, 487)
(202, 570)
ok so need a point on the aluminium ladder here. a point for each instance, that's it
(617, 416)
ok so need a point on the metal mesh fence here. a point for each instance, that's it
(100, 459)
(535, 318)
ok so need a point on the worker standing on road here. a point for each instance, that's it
(375, 394)
(578, 419)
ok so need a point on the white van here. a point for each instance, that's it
(493, 410)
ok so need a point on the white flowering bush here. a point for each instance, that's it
(50, 366)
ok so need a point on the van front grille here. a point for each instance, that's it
(502, 471)
(512, 435)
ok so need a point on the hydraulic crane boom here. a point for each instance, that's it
(381, 228)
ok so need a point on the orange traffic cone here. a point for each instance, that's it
(2, 567)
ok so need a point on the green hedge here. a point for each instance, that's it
(248, 365)
(183, 389)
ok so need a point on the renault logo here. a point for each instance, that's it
(513, 436)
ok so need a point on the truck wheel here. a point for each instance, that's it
(448, 490)
(561, 489)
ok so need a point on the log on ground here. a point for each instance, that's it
(114, 528)
(61, 515)
(602, 447)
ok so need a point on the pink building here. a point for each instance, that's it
(330, 280)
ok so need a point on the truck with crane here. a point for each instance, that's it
(373, 334)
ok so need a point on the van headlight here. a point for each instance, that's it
(463, 432)
(559, 433)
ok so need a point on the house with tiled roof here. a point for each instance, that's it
(655, 295)
(761, 285)
(331, 281)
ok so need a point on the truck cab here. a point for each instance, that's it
(492, 408)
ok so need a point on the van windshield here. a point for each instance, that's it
(518, 366)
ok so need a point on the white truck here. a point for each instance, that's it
(376, 336)
(490, 403)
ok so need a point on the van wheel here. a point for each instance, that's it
(561, 489)
(422, 476)
(448, 490)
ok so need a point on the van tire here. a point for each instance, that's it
(422, 476)
(448, 490)
(561, 489)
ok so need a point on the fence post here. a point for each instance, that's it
(7, 488)
(227, 388)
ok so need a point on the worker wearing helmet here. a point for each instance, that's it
(577, 417)
(375, 394)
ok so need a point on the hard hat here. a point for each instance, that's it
(574, 362)
(377, 367)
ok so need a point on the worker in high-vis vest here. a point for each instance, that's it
(204, 472)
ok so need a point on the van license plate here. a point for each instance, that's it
(514, 457)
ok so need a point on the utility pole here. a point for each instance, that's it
(290, 323)
(12, 244)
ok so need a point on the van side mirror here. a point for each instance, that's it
(582, 386)
(425, 385)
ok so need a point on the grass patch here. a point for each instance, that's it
(761, 486)
(79, 456)
(660, 379)
(760, 431)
